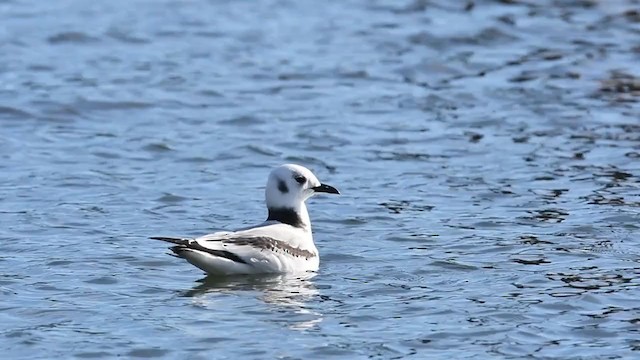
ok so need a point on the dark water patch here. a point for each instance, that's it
(59, 263)
(621, 87)
(550, 194)
(473, 136)
(106, 155)
(530, 260)
(102, 281)
(242, 121)
(453, 265)
(534, 240)
(398, 206)
(147, 353)
(126, 36)
(157, 147)
(94, 209)
(72, 37)
(597, 199)
(7, 112)
(593, 280)
(197, 159)
(547, 215)
(171, 199)
(93, 354)
(41, 67)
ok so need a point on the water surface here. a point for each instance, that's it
(487, 152)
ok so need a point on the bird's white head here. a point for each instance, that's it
(289, 185)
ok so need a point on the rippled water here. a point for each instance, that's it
(488, 153)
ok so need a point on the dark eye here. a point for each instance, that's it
(300, 179)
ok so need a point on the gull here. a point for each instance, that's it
(281, 244)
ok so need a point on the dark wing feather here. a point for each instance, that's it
(190, 244)
(177, 241)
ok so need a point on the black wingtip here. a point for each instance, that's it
(177, 241)
(183, 245)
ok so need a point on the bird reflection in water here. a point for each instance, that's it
(287, 294)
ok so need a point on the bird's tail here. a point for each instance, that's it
(182, 244)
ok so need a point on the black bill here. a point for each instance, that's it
(324, 188)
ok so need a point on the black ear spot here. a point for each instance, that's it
(282, 186)
(300, 179)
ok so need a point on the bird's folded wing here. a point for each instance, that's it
(276, 231)
(258, 242)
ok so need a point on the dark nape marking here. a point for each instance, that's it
(267, 243)
(220, 253)
(282, 186)
(285, 216)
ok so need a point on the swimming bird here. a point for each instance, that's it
(281, 244)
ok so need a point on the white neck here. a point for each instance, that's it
(304, 216)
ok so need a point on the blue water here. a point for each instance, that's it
(487, 153)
